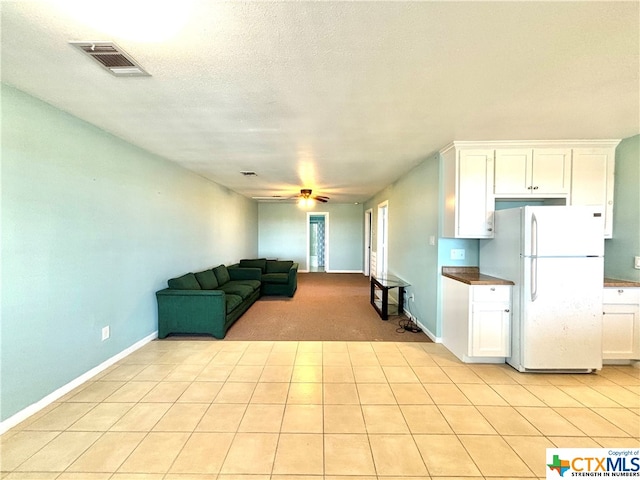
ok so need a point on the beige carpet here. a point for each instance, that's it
(326, 307)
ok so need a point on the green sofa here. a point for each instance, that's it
(208, 301)
(278, 277)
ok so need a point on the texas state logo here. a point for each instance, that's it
(593, 462)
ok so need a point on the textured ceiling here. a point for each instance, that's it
(341, 97)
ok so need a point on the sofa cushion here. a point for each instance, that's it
(235, 288)
(279, 266)
(232, 301)
(222, 274)
(260, 263)
(185, 282)
(275, 278)
(255, 284)
(207, 280)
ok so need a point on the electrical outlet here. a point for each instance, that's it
(105, 333)
(636, 262)
(457, 254)
(432, 240)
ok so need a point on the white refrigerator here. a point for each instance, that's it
(555, 257)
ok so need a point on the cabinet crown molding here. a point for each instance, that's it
(532, 143)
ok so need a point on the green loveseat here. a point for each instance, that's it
(208, 301)
(278, 277)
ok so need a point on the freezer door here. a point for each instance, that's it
(561, 313)
(563, 231)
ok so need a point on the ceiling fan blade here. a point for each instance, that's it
(321, 199)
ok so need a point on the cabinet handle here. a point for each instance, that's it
(620, 292)
(493, 289)
(535, 188)
(529, 188)
(489, 229)
(507, 310)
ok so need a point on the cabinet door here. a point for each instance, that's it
(550, 171)
(511, 172)
(474, 209)
(621, 332)
(490, 333)
(592, 181)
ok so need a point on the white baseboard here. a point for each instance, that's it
(424, 329)
(427, 332)
(60, 392)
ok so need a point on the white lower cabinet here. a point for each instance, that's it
(476, 321)
(621, 324)
(490, 329)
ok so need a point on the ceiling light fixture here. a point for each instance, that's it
(306, 202)
(140, 20)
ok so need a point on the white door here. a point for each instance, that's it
(367, 241)
(383, 240)
(561, 317)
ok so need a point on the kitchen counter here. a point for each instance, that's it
(615, 283)
(472, 276)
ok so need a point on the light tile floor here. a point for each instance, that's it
(217, 410)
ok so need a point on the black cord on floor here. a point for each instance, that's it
(408, 325)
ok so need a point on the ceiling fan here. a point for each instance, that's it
(306, 198)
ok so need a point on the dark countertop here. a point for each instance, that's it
(615, 283)
(472, 276)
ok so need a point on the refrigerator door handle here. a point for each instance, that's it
(534, 279)
(534, 235)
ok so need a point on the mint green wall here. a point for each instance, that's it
(625, 244)
(91, 228)
(413, 217)
(282, 233)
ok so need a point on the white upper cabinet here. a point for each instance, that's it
(566, 172)
(592, 179)
(468, 201)
(532, 172)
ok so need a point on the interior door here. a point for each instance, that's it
(383, 240)
(367, 241)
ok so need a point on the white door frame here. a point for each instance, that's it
(326, 238)
(382, 251)
(368, 223)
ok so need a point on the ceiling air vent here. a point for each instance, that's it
(248, 173)
(112, 58)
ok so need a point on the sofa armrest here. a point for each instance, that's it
(244, 273)
(293, 271)
(191, 311)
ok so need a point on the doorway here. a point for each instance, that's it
(317, 245)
